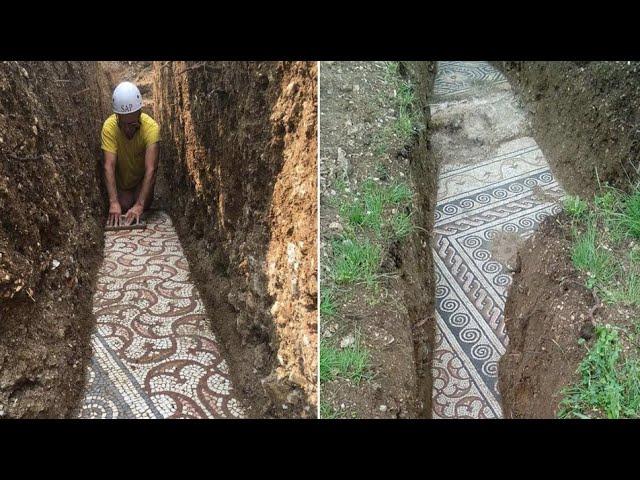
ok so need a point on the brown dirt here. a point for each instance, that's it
(239, 168)
(51, 242)
(585, 116)
(140, 73)
(397, 326)
(547, 311)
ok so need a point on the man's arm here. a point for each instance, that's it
(110, 179)
(150, 169)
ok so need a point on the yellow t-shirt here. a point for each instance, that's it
(130, 153)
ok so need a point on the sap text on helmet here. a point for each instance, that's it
(126, 98)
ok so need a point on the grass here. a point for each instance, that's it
(400, 194)
(630, 218)
(328, 307)
(589, 257)
(404, 100)
(353, 212)
(628, 293)
(609, 375)
(609, 381)
(327, 411)
(374, 202)
(340, 185)
(402, 225)
(370, 209)
(355, 261)
(382, 171)
(372, 215)
(404, 125)
(575, 207)
(393, 70)
(351, 363)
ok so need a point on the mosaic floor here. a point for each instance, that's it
(154, 355)
(455, 78)
(483, 210)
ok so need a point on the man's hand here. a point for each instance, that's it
(134, 214)
(114, 214)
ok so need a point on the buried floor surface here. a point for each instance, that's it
(494, 188)
(154, 354)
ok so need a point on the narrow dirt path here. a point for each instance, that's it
(494, 188)
(154, 354)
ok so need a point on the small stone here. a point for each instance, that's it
(383, 408)
(347, 341)
(292, 88)
(343, 163)
(336, 226)
(54, 264)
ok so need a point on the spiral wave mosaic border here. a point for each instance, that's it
(510, 193)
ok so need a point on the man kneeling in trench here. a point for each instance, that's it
(130, 144)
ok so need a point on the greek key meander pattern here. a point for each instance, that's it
(154, 355)
(510, 193)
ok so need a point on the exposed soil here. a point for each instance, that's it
(585, 117)
(239, 168)
(52, 210)
(476, 125)
(397, 327)
(548, 309)
(241, 186)
(140, 73)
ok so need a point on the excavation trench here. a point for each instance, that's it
(215, 318)
(482, 188)
(391, 325)
(510, 308)
(494, 189)
(584, 116)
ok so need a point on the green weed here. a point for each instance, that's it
(575, 207)
(589, 258)
(327, 411)
(352, 362)
(402, 225)
(609, 383)
(631, 215)
(355, 261)
(327, 303)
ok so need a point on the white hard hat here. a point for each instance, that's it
(126, 98)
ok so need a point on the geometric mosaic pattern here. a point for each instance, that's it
(459, 77)
(505, 196)
(154, 355)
